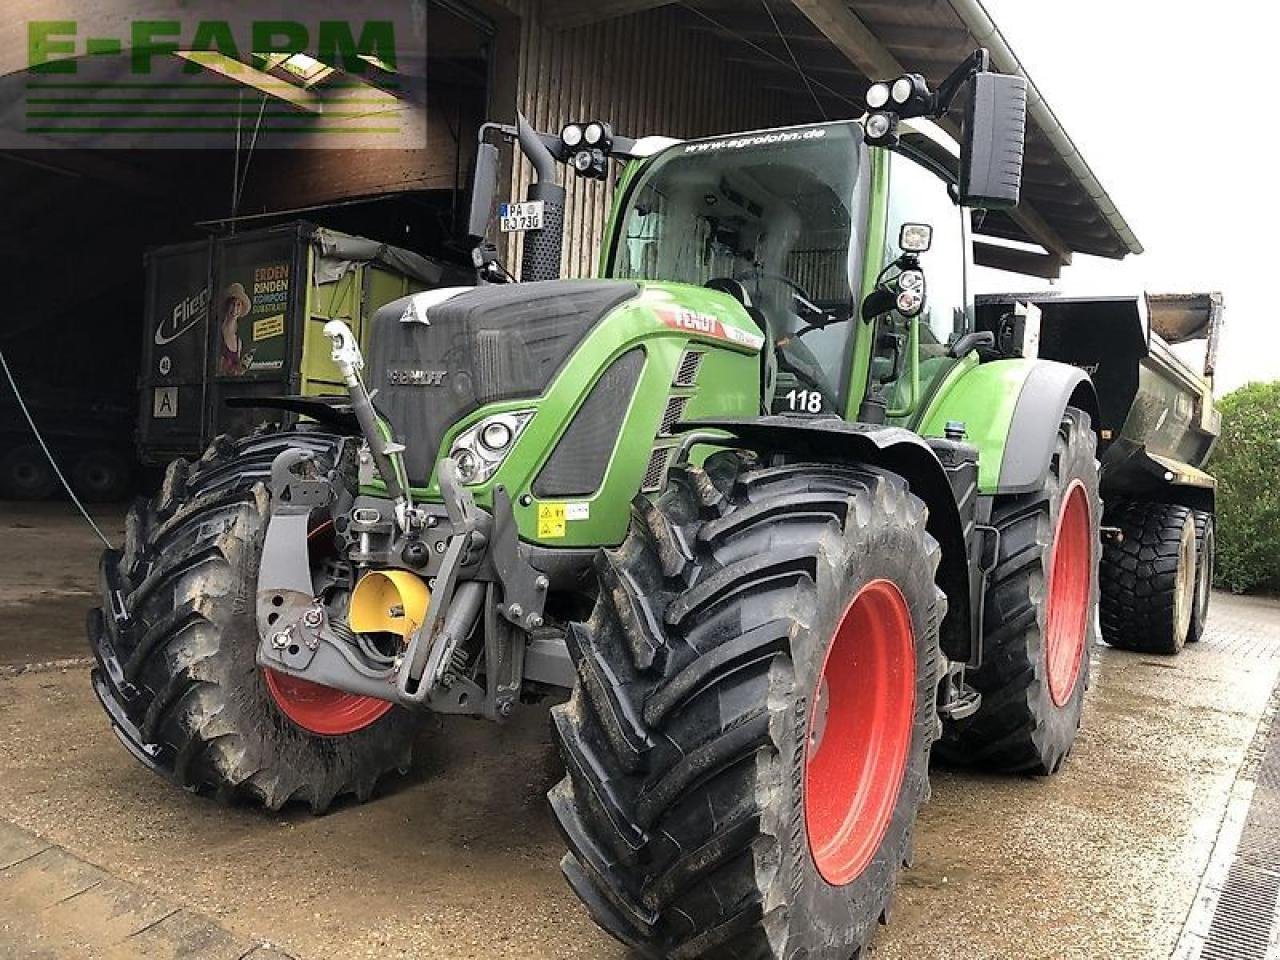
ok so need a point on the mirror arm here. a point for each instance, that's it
(977, 62)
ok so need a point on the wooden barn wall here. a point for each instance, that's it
(648, 73)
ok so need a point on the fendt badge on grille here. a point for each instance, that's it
(416, 378)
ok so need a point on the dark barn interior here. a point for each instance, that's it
(77, 222)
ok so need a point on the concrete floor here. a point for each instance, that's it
(460, 859)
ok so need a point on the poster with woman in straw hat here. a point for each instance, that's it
(233, 358)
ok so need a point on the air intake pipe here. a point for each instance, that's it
(541, 260)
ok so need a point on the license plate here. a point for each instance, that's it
(519, 217)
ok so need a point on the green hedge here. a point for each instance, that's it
(1247, 465)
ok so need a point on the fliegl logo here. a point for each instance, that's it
(176, 73)
(187, 313)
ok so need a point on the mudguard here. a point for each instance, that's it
(893, 448)
(333, 412)
(1046, 393)
(1011, 410)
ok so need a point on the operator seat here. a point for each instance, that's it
(769, 353)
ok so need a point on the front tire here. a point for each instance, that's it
(178, 675)
(1038, 618)
(747, 745)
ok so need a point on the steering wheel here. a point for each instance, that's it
(801, 294)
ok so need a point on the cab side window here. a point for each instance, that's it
(918, 195)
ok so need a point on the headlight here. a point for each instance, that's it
(496, 436)
(480, 449)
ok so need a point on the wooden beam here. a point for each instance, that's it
(851, 37)
(567, 14)
(1029, 219)
(1026, 262)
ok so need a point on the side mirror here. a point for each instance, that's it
(993, 141)
(484, 186)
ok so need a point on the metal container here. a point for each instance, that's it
(241, 317)
(1159, 423)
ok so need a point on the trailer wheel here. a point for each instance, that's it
(1038, 618)
(747, 744)
(179, 678)
(1149, 577)
(1206, 556)
(101, 476)
(25, 474)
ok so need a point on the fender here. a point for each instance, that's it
(895, 449)
(333, 412)
(1011, 410)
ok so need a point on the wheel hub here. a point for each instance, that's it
(859, 732)
(1070, 583)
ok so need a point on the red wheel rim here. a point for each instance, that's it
(320, 709)
(859, 732)
(313, 706)
(1067, 614)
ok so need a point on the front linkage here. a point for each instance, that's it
(421, 573)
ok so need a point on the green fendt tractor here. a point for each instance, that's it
(761, 496)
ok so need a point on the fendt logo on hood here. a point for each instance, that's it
(186, 314)
(416, 378)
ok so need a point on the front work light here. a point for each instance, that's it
(915, 237)
(877, 95)
(910, 299)
(480, 450)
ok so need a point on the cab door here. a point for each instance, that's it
(911, 356)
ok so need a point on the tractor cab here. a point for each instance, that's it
(775, 221)
(802, 226)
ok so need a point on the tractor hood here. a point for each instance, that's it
(437, 356)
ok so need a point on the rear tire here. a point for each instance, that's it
(179, 677)
(1149, 577)
(704, 817)
(1035, 665)
(1206, 557)
(25, 474)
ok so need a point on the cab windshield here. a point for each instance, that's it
(777, 217)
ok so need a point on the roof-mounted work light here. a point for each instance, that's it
(587, 147)
(882, 129)
(909, 96)
(598, 135)
(571, 135)
(878, 95)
